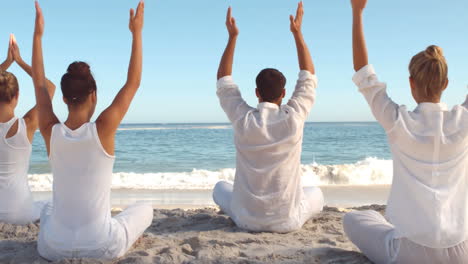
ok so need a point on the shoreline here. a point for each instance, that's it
(337, 196)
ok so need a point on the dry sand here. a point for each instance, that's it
(207, 236)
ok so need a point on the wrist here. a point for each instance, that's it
(233, 37)
(357, 11)
(136, 33)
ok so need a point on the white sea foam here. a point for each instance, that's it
(370, 171)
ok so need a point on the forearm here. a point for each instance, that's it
(303, 54)
(136, 61)
(360, 56)
(38, 75)
(25, 66)
(225, 66)
(5, 65)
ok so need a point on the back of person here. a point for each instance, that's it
(82, 180)
(430, 153)
(427, 212)
(15, 152)
(267, 194)
(267, 187)
(79, 223)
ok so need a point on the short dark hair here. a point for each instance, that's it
(270, 84)
(78, 83)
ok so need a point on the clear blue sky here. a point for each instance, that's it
(183, 42)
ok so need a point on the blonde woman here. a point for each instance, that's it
(81, 154)
(427, 211)
(16, 135)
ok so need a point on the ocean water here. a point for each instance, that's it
(196, 156)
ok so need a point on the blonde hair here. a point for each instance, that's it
(8, 86)
(428, 69)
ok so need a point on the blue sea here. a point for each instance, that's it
(196, 156)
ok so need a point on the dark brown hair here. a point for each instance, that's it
(78, 83)
(8, 86)
(270, 84)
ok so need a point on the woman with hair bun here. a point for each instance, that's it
(79, 223)
(16, 135)
(427, 211)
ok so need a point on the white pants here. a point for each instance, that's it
(24, 215)
(126, 228)
(312, 201)
(375, 237)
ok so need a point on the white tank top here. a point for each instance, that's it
(82, 173)
(15, 153)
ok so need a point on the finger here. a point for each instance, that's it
(132, 13)
(298, 11)
(233, 21)
(139, 8)
(38, 8)
(13, 39)
(229, 15)
(291, 18)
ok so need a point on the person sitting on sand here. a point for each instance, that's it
(79, 223)
(16, 202)
(427, 209)
(267, 194)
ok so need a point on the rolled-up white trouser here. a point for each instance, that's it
(24, 216)
(312, 202)
(127, 227)
(375, 237)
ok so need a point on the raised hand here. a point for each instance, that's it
(10, 56)
(296, 22)
(39, 26)
(136, 20)
(16, 52)
(358, 5)
(231, 24)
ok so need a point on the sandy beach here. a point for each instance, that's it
(207, 236)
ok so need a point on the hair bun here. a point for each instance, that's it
(79, 70)
(434, 52)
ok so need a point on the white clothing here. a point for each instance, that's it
(267, 187)
(126, 228)
(311, 204)
(80, 219)
(377, 239)
(430, 165)
(16, 202)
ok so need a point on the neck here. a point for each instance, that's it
(6, 113)
(76, 118)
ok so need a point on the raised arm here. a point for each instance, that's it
(225, 66)
(31, 117)
(9, 59)
(360, 57)
(303, 97)
(46, 114)
(109, 120)
(305, 60)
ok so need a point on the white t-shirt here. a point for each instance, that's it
(268, 139)
(428, 202)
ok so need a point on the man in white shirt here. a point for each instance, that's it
(267, 194)
(427, 211)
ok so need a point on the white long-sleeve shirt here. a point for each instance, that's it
(268, 139)
(428, 202)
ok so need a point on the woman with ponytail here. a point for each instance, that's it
(427, 211)
(16, 135)
(79, 224)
